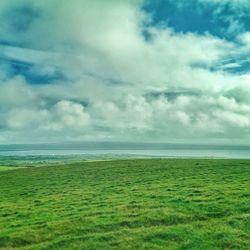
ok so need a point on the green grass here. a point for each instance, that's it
(129, 204)
(7, 168)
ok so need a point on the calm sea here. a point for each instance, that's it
(122, 149)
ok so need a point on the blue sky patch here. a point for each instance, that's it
(197, 17)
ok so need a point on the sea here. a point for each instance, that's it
(123, 149)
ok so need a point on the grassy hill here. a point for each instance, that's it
(129, 204)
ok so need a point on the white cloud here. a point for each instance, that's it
(117, 85)
(15, 92)
(61, 116)
(66, 115)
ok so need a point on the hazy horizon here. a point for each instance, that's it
(114, 150)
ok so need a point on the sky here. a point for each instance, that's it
(125, 70)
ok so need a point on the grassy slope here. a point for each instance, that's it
(132, 204)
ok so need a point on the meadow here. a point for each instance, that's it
(126, 204)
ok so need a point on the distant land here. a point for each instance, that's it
(128, 148)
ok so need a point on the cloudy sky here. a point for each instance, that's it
(125, 70)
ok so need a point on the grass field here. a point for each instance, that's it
(129, 204)
(6, 168)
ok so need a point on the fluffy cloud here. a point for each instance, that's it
(63, 115)
(93, 70)
(15, 92)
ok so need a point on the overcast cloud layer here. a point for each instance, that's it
(120, 70)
